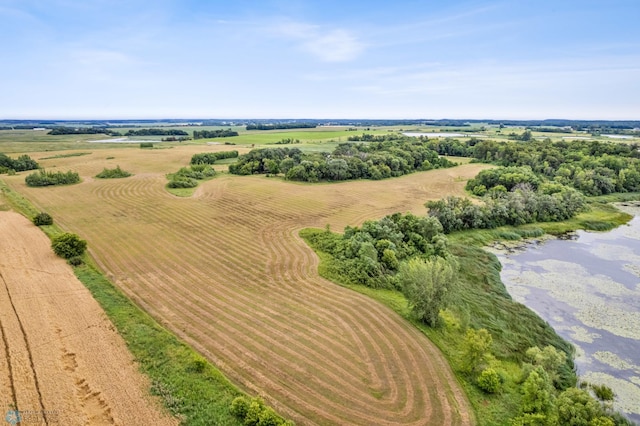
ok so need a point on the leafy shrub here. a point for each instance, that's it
(44, 178)
(253, 412)
(113, 173)
(68, 245)
(182, 183)
(187, 177)
(146, 145)
(240, 406)
(75, 261)
(198, 365)
(42, 219)
(489, 381)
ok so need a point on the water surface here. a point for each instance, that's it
(588, 289)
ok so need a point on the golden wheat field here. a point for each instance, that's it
(66, 363)
(226, 271)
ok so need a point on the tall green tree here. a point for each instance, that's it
(427, 284)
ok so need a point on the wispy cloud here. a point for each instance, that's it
(325, 44)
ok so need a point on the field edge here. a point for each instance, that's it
(191, 388)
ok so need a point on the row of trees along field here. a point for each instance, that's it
(212, 157)
(348, 161)
(63, 130)
(279, 126)
(208, 134)
(20, 164)
(592, 167)
(156, 132)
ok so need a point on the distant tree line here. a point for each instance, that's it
(209, 134)
(22, 163)
(156, 132)
(62, 130)
(212, 157)
(375, 161)
(274, 126)
(593, 167)
(45, 178)
(367, 137)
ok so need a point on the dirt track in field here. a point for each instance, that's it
(61, 360)
(227, 271)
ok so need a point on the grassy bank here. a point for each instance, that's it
(192, 388)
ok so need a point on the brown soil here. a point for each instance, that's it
(61, 361)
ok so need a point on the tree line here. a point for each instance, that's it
(278, 126)
(156, 132)
(521, 206)
(348, 161)
(209, 134)
(20, 164)
(594, 167)
(212, 157)
(64, 130)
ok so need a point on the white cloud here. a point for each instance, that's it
(327, 45)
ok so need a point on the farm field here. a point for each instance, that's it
(226, 271)
(62, 360)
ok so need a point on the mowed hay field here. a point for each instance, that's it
(227, 271)
(61, 362)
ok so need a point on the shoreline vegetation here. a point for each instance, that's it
(191, 388)
(482, 302)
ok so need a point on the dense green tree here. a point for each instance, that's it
(68, 245)
(427, 285)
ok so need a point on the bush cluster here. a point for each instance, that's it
(253, 412)
(44, 178)
(113, 173)
(21, 164)
(42, 219)
(187, 177)
(68, 245)
(371, 255)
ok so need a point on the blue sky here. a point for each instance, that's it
(320, 59)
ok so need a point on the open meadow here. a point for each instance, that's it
(226, 271)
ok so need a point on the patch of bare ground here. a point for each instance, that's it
(61, 361)
(226, 271)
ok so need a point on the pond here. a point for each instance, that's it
(587, 287)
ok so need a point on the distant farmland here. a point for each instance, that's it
(226, 271)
